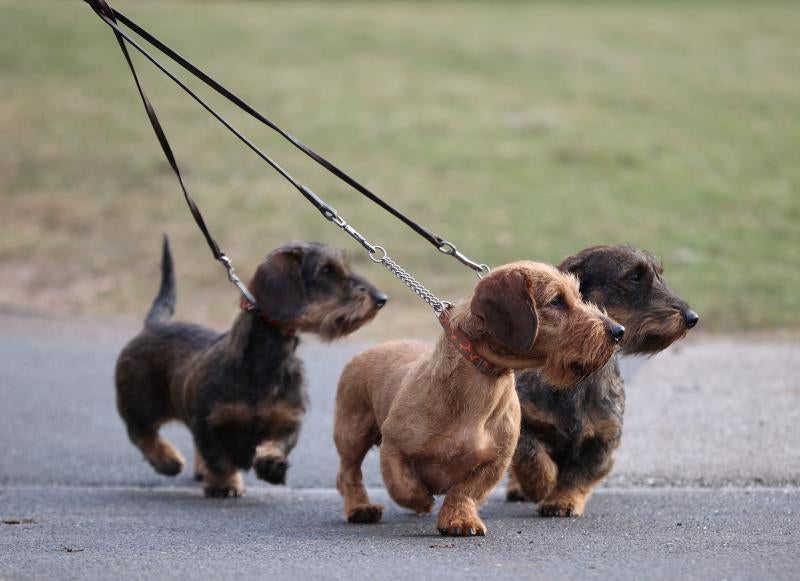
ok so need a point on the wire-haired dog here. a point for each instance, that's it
(568, 437)
(241, 392)
(447, 416)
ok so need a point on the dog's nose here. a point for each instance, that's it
(691, 318)
(617, 332)
(380, 299)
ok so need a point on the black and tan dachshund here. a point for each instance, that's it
(241, 392)
(568, 437)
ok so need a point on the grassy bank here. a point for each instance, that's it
(516, 130)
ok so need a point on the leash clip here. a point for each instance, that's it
(330, 214)
(448, 248)
(237, 282)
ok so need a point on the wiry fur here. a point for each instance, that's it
(443, 426)
(568, 437)
(240, 393)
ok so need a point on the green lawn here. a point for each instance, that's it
(516, 130)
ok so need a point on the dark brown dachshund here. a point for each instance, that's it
(241, 393)
(568, 437)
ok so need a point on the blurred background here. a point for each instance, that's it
(514, 129)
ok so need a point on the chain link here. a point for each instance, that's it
(416, 287)
(372, 250)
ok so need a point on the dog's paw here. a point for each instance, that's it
(271, 470)
(463, 527)
(366, 514)
(223, 491)
(558, 509)
(168, 466)
(515, 495)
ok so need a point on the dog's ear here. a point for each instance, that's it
(503, 302)
(278, 284)
(574, 264)
(578, 264)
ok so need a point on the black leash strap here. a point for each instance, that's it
(113, 17)
(107, 14)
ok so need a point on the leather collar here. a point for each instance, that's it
(465, 347)
(283, 327)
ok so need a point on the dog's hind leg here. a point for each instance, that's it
(513, 489)
(143, 416)
(403, 485)
(199, 466)
(163, 456)
(144, 406)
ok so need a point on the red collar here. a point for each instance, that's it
(464, 346)
(252, 308)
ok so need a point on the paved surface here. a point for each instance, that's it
(705, 485)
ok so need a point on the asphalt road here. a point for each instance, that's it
(706, 484)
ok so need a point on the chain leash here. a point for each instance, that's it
(379, 255)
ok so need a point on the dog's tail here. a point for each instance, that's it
(164, 303)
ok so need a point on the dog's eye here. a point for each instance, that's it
(557, 302)
(635, 276)
(327, 270)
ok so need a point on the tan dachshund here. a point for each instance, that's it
(447, 416)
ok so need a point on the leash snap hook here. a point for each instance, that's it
(226, 262)
(447, 247)
(237, 282)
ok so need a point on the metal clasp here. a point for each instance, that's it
(226, 262)
(447, 247)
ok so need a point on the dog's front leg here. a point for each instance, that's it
(221, 478)
(566, 501)
(533, 471)
(225, 483)
(271, 461)
(459, 514)
(278, 427)
(402, 483)
(576, 481)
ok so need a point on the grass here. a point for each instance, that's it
(516, 130)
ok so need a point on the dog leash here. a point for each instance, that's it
(376, 253)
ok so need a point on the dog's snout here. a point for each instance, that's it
(691, 318)
(617, 332)
(380, 299)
